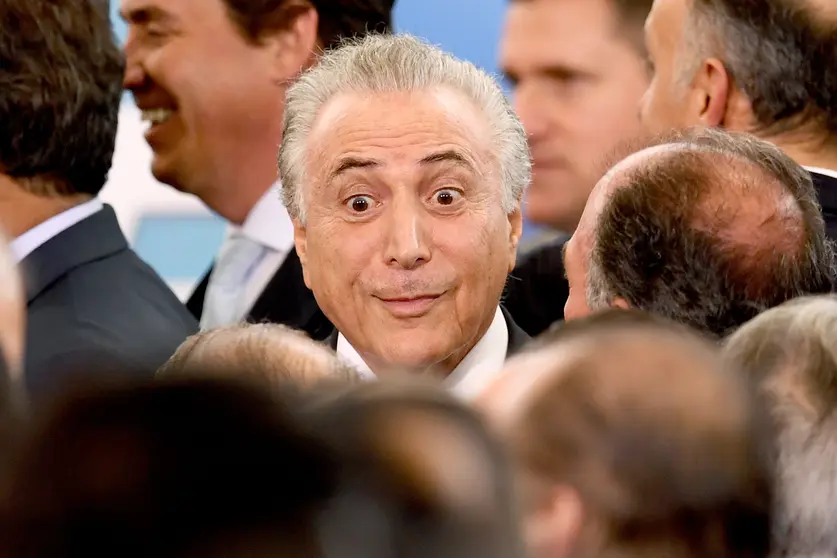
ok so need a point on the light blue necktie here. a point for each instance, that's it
(239, 258)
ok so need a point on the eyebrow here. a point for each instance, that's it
(447, 156)
(146, 14)
(354, 163)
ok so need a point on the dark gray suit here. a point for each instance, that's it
(95, 308)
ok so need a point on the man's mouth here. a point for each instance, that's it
(156, 116)
(413, 306)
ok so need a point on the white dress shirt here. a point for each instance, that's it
(40, 234)
(479, 367)
(826, 172)
(269, 225)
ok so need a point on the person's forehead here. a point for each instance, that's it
(434, 116)
(667, 16)
(544, 33)
(177, 11)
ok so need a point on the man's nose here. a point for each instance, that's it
(407, 242)
(529, 108)
(134, 73)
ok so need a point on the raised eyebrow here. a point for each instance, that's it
(447, 156)
(352, 163)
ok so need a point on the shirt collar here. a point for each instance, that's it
(40, 234)
(268, 223)
(826, 172)
(477, 369)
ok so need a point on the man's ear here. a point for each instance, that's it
(515, 232)
(711, 88)
(292, 48)
(620, 303)
(301, 243)
(555, 529)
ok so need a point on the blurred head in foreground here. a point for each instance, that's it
(184, 468)
(642, 450)
(703, 227)
(789, 356)
(422, 477)
(270, 353)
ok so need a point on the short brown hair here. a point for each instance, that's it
(338, 19)
(61, 81)
(270, 353)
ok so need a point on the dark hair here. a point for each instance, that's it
(388, 482)
(169, 468)
(338, 19)
(61, 80)
(781, 53)
(672, 240)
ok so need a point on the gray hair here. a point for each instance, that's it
(789, 355)
(779, 52)
(383, 63)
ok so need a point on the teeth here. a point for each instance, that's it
(156, 116)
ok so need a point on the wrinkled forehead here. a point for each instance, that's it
(393, 123)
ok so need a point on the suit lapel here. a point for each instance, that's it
(91, 239)
(195, 302)
(287, 300)
(827, 196)
(517, 337)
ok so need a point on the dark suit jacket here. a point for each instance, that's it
(537, 288)
(517, 337)
(285, 300)
(827, 196)
(95, 308)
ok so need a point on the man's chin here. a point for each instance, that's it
(165, 172)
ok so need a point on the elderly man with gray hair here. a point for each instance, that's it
(403, 169)
(789, 356)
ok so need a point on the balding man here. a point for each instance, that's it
(789, 356)
(762, 66)
(403, 169)
(272, 354)
(706, 228)
(645, 449)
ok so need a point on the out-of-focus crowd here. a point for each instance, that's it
(370, 369)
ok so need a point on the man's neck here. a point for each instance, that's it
(807, 152)
(21, 211)
(234, 195)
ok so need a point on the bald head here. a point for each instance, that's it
(267, 352)
(626, 440)
(707, 228)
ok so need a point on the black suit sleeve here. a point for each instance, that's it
(537, 289)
